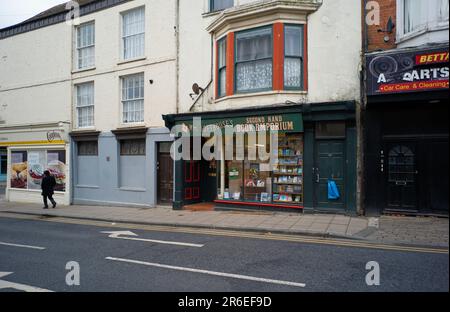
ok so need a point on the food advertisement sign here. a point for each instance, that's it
(19, 168)
(36, 164)
(56, 164)
(393, 73)
(27, 169)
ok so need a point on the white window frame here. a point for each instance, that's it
(123, 101)
(432, 23)
(77, 48)
(122, 37)
(79, 107)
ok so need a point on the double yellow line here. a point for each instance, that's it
(237, 234)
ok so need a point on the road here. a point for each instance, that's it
(164, 260)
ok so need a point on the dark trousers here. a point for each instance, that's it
(49, 196)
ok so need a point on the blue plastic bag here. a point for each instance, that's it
(333, 191)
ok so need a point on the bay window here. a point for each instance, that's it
(222, 67)
(133, 33)
(217, 5)
(85, 46)
(293, 59)
(85, 104)
(133, 98)
(254, 50)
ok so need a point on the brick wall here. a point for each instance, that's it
(374, 39)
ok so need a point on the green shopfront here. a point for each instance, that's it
(288, 165)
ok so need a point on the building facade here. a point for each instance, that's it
(290, 66)
(91, 110)
(406, 109)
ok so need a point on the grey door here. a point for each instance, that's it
(330, 164)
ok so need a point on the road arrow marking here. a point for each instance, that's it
(229, 275)
(121, 234)
(17, 286)
(22, 246)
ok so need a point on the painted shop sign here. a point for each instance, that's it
(408, 72)
(280, 122)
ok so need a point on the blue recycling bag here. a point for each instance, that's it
(333, 191)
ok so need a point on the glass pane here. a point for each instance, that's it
(132, 147)
(233, 180)
(223, 82)
(254, 45)
(330, 129)
(217, 5)
(413, 15)
(293, 73)
(222, 61)
(253, 76)
(294, 40)
(443, 10)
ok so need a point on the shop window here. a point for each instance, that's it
(330, 130)
(133, 33)
(132, 147)
(133, 98)
(293, 59)
(87, 148)
(85, 48)
(3, 165)
(27, 168)
(85, 104)
(222, 67)
(217, 5)
(259, 181)
(254, 51)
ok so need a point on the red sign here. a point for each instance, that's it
(432, 58)
(414, 86)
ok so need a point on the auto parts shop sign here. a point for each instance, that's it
(391, 73)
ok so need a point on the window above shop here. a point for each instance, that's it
(85, 46)
(416, 17)
(218, 5)
(268, 58)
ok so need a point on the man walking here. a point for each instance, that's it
(48, 185)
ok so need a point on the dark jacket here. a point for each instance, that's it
(48, 185)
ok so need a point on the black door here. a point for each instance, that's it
(401, 176)
(437, 176)
(330, 165)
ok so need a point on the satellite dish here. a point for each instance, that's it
(196, 88)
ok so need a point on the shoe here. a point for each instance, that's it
(54, 205)
(45, 208)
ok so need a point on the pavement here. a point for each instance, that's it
(413, 231)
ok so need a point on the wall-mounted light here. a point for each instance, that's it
(389, 29)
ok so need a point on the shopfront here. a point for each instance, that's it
(406, 132)
(275, 158)
(29, 152)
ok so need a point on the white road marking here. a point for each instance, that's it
(119, 235)
(244, 277)
(17, 286)
(22, 246)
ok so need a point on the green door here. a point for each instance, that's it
(330, 164)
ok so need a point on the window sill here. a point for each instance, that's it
(87, 186)
(85, 129)
(417, 33)
(82, 70)
(211, 13)
(132, 189)
(265, 93)
(122, 62)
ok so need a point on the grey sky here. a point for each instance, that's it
(16, 11)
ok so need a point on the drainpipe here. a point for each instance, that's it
(177, 62)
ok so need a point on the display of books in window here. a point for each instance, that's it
(288, 171)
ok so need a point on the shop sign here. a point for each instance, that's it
(260, 123)
(408, 72)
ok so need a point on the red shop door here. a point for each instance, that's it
(191, 181)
